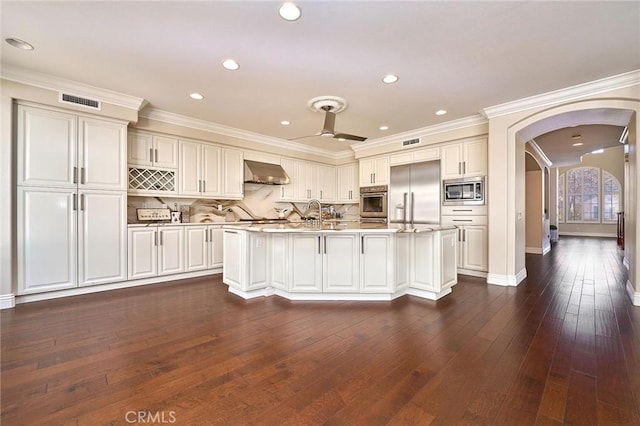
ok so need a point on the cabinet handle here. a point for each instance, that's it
(151, 155)
(319, 244)
(230, 232)
(374, 178)
(210, 235)
(370, 177)
(156, 151)
(204, 186)
(350, 195)
(464, 235)
(321, 194)
(282, 192)
(161, 238)
(75, 201)
(459, 168)
(206, 236)
(462, 210)
(83, 175)
(462, 220)
(325, 244)
(75, 175)
(459, 234)
(362, 244)
(155, 238)
(82, 202)
(464, 167)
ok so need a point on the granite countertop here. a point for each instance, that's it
(337, 227)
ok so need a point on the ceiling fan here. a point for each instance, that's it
(330, 105)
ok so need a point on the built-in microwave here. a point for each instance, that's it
(373, 202)
(464, 191)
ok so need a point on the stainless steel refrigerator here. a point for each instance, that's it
(414, 193)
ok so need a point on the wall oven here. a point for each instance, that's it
(464, 191)
(373, 203)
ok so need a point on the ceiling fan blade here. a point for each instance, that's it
(349, 137)
(329, 124)
(304, 137)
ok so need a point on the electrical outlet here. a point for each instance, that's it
(219, 207)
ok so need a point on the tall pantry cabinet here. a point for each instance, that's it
(71, 199)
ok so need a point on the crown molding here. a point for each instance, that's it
(535, 148)
(46, 81)
(207, 126)
(448, 126)
(619, 81)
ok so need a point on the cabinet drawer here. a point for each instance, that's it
(463, 210)
(463, 220)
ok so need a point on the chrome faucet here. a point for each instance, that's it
(319, 209)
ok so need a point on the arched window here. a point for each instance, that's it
(610, 197)
(583, 194)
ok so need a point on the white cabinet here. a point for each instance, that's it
(279, 261)
(199, 169)
(414, 156)
(195, 248)
(306, 262)
(377, 263)
(215, 247)
(433, 262)
(210, 171)
(68, 239)
(326, 183)
(347, 185)
(58, 149)
(374, 171)
(340, 263)
(156, 250)
(245, 260)
(71, 207)
(464, 159)
(234, 258)
(145, 149)
(472, 242)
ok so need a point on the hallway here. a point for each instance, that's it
(563, 347)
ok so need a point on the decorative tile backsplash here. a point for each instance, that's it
(260, 202)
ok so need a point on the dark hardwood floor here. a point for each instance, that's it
(563, 347)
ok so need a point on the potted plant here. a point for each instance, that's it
(554, 233)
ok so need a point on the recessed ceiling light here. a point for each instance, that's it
(20, 44)
(384, 127)
(285, 122)
(390, 78)
(577, 144)
(230, 64)
(289, 11)
(597, 151)
(441, 112)
(341, 139)
(197, 96)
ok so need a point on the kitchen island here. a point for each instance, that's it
(339, 261)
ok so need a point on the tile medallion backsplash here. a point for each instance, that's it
(260, 202)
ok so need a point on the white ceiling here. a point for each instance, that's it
(458, 56)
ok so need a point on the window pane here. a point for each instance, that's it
(611, 197)
(583, 192)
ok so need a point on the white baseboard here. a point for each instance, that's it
(113, 286)
(472, 273)
(633, 295)
(546, 250)
(507, 280)
(625, 261)
(429, 294)
(533, 250)
(7, 301)
(589, 234)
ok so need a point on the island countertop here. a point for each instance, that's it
(294, 227)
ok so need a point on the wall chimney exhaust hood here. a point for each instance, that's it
(266, 173)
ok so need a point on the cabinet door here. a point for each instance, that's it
(451, 161)
(102, 224)
(170, 250)
(366, 172)
(47, 147)
(195, 248)
(402, 261)
(341, 266)
(233, 174)
(306, 263)
(234, 258)
(381, 171)
(165, 152)
(139, 149)
(259, 262)
(279, 260)
(475, 158)
(47, 238)
(103, 154)
(304, 176)
(210, 170)
(376, 271)
(216, 248)
(461, 247)
(347, 189)
(143, 252)
(475, 248)
(326, 183)
(189, 168)
(423, 269)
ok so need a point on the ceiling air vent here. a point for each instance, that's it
(77, 100)
(411, 142)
